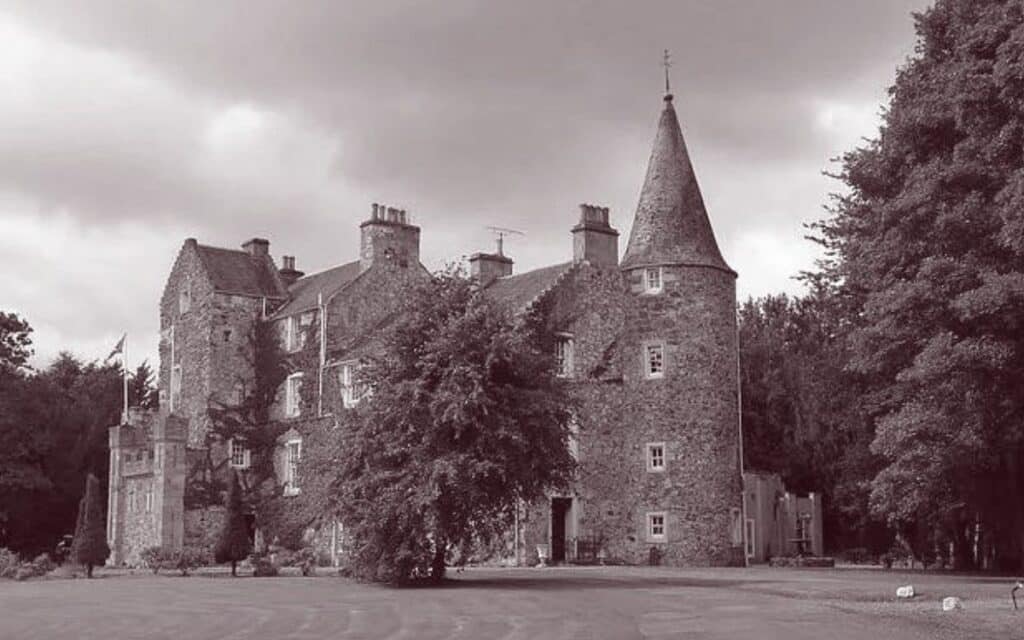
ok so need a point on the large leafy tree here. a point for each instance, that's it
(927, 251)
(465, 418)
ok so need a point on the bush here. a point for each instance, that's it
(43, 564)
(188, 559)
(9, 563)
(263, 565)
(153, 558)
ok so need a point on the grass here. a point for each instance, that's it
(596, 602)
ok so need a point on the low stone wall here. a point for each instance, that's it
(802, 561)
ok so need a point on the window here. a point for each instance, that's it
(292, 455)
(654, 360)
(351, 393)
(185, 298)
(574, 438)
(564, 357)
(652, 280)
(131, 498)
(293, 396)
(751, 546)
(655, 456)
(656, 527)
(238, 454)
(175, 386)
(306, 319)
(149, 498)
(293, 335)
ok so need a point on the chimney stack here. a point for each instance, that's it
(485, 267)
(288, 272)
(388, 237)
(257, 247)
(593, 239)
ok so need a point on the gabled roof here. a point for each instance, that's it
(234, 271)
(671, 224)
(520, 290)
(304, 291)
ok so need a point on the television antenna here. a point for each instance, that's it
(500, 233)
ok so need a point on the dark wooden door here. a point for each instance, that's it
(559, 507)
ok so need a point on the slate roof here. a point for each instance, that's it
(304, 291)
(235, 271)
(671, 224)
(520, 290)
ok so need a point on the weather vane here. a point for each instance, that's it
(667, 62)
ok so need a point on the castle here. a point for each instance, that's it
(648, 344)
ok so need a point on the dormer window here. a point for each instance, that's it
(654, 360)
(652, 280)
(185, 298)
(564, 356)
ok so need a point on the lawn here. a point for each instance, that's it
(596, 602)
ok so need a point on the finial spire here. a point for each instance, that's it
(666, 61)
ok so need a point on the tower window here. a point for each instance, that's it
(238, 453)
(292, 396)
(175, 387)
(655, 456)
(185, 298)
(654, 360)
(657, 527)
(652, 280)
(564, 357)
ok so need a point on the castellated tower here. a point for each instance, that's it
(684, 388)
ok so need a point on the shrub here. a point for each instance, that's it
(188, 559)
(43, 564)
(9, 563)
(153, 558)
(263, 565)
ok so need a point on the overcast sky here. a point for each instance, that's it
(126, 127)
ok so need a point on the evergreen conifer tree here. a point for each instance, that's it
(234, 543)
(90, 544)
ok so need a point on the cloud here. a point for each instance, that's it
(143, 124)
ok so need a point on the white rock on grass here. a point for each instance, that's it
(905, 592)
(951, 603)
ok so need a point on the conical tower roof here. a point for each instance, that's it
(671, 225)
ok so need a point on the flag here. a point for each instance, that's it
(118, 348)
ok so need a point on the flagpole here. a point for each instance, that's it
(124, 378)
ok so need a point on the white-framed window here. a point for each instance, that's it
(238, 454)
(292, 334)
(653, 282)
(654, 359)
(149, 498)
(307, 318)
(185, 298)
(655, 456)
(351, 391)
(564, 356)
(292, 456)
(175, 387)
(657, 526)
(293, 396)
(574, 438)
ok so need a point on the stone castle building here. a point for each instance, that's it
(648, 344)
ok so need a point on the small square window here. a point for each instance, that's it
(293, 396)
(239, 453)
(652, 280)
(654, 360)
(657, 527)
(655, 456)
(564, 357)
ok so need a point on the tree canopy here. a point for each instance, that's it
(465, 417)
(927, 254)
